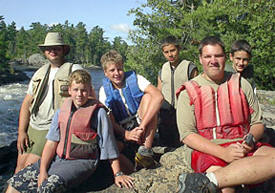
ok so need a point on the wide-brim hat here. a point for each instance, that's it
(54, 39)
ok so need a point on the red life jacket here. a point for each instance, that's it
(222, 114)
(77, 138)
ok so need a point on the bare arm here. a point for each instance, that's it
(228, 154)
(120, 180)
(24, 118)
(47, 156)
(160, 84)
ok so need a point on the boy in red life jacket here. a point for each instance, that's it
(220, 113)
(80, 136)
(134, 103)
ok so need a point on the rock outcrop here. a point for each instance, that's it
(164, 178)
(37, 60)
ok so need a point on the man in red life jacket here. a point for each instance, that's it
(221, 128)
(80, 136)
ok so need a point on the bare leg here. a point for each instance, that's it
(249, 170)
(152, 125)
(226, 189)
(23, 160)
(11, 190)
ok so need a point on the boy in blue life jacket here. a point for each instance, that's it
(134, 103)
(80, 135)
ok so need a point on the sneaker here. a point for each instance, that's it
(195, 183)
(143, 161)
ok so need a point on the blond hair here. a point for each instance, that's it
(111, 56)
(80, 76)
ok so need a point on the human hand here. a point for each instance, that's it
(135, 135)
(41, 177)
(234, 152)
(22, 142)
(124, 181)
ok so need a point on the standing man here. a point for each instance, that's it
(47, 90)
(172, 75)
(134, 103)
(222, 126)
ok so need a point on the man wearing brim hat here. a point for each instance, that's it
(47, 90)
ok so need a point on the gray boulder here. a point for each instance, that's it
(36, 60)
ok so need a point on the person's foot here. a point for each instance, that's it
(144, 159)
(195, 183)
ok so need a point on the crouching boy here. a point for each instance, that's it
(79, 137)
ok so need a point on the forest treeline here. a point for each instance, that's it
(188, 20)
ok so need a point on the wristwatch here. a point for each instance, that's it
(120, 173)
(250, 140)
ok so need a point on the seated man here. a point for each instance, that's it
(80, 135)
(134, 103)
(221, 128)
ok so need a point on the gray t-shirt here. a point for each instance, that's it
(106, 142)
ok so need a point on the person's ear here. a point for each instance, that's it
(231, 56)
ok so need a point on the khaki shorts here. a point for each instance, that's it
(37, 140)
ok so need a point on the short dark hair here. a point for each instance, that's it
(241, 45)
(170, 40)
(211, 40)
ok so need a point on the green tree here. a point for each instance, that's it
(3, 45)
(190, 21)
(121, 46)
(98, 45)
(23, 46)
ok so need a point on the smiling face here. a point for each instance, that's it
(79, 93)
(55, 54)
(115, 73)
(213, 60)
(171, 53)
(240, 60)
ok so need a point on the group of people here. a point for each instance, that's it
(64, 131)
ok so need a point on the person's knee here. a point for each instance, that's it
(54, 183)
(31, 158)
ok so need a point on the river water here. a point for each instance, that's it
(11, 97)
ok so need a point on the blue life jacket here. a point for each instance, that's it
(130, 91)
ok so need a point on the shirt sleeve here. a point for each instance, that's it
(76, 67)
(54, 131)
(186, 120)
(256, 116)
(107, 142)
(142, 82)
(102, 95)
(191, 67)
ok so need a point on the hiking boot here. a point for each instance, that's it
(144, 159)
(195, 183)
(147, 162)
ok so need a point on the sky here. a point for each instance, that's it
(111, 15)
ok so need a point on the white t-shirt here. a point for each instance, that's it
(43, 118)
(143, 83)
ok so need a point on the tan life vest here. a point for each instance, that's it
(77, 139)
(60, 85)
(224, 114)
(171, 83)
